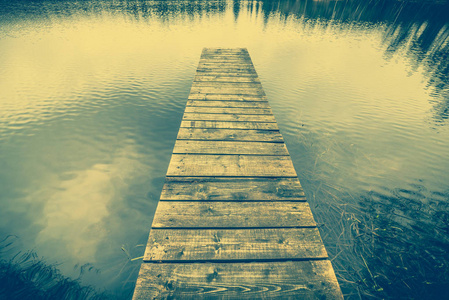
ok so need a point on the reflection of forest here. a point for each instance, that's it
(422, 27)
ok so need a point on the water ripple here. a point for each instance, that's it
(92, 95)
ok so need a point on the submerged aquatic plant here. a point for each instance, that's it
(25, 275)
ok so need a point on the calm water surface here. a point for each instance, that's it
(91, 98)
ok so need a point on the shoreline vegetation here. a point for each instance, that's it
(25, 275)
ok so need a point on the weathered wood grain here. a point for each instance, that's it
(229, 110)
(227, 72)
(183, 214)
(270, 280)
(211, 103)
(217, 55)
(229, 135)
(227, 65)
(216, 50)
(211, 78)
(230, 165)
(228, 85)
(219, 97)
(226, 60)
(230, 66)
(225, 68)
(234, 244)
(257, 91)
(231, 189)
(221, 49)
(229, 125)
(229, 147)
(241, 52)
(228, 117)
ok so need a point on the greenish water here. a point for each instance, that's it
(91, 98)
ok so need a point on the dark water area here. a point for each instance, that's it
(91, 99)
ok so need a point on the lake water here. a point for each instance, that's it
(91, 98)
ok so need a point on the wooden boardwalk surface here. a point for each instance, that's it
(233, 221)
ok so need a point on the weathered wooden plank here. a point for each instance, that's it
(225, 56)
(230, 53)
(258, 91)
(226, 60)
(229, 125)
(230, 66)
(217, 51)
(230, 189)
(229, 147)
(234, 244)
(270, 280)
(233, 62)
(230, 165)
(224, 50)
(228, 74)
(221, 49)
(218, 55)
(230, 135)
(228, 85)
(244, 60)
(228, 117)
(215, 56)
(237, 64)
(236, 97)
(183, 214)
(226, 71)
(210, 103)
(217, 79)
(229, 110)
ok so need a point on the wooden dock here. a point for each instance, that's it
(232, 221)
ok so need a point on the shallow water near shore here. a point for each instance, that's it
(91, 99)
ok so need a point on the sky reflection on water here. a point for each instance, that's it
(92, 95)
